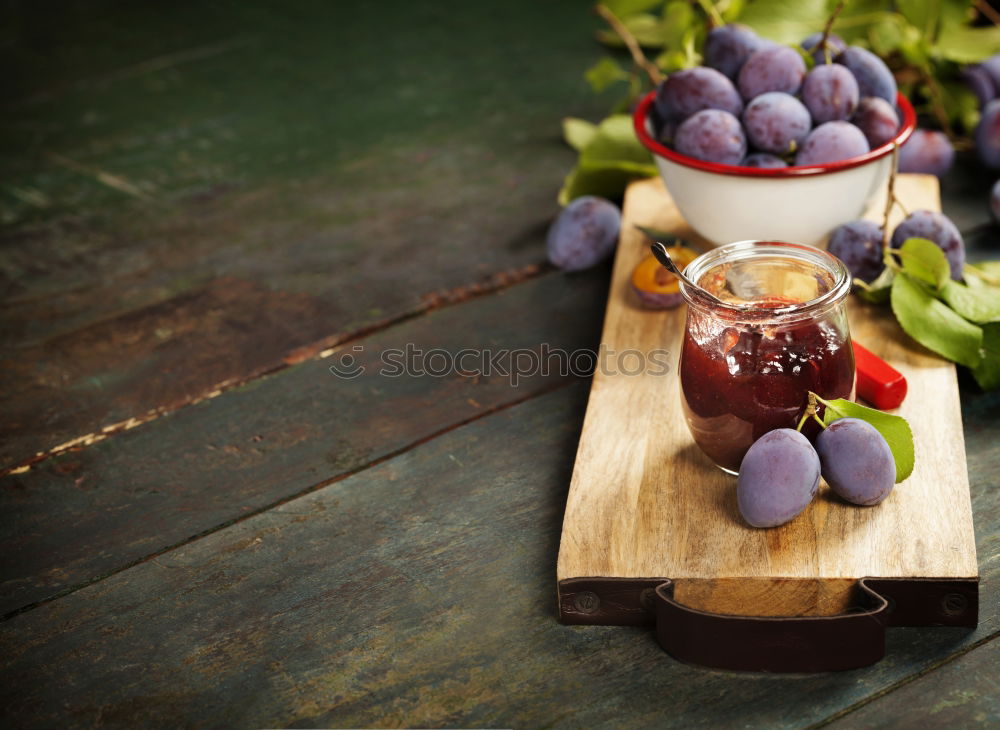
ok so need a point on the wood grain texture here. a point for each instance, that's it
(191, 196)
(964, 693)
(645, 502)
(417, 593)
(88, 512)
(268, 137)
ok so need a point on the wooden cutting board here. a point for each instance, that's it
(645, 504)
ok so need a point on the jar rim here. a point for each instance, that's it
(742, 250)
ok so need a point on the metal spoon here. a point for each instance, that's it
(660, 252)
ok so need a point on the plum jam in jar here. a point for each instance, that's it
(748, 363)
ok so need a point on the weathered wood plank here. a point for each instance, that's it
(415, 593)
(964, 693)
(85, 513)
(218, 186)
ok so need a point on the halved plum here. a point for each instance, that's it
(656, 287)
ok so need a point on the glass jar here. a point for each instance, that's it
(748, 364)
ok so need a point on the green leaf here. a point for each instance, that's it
(986, 271)
(785, 21)
(678, 19)
(963, 44)
(608, 162)
(877, 292)
(859, 17)
(647, 29)
(578, 133)
(606, 180)
(624, 8)
(604, 73)
(693, 39)
(916, 49)
(615, 141)
(972, 279)
(806, 56)
(933, 324)
(924, 260)
(989, 267)
(955, 11)
(922, 14)
(987, 373)
(733, 10)
(961, 103)
(894, 429)
(671, 61)
(980, 304)
(886, 34)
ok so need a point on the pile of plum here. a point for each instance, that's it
(931, 152)
(755, 103)
(984, 79)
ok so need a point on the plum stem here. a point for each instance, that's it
(823, 45)
(890, 260)
(715, 18)
(638, 57)
(814, 398)
(937, 103)
(890, 195)
(988, 12)
(811, 411)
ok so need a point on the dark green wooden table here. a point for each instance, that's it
(204, 207)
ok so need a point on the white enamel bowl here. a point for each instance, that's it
(726, 203)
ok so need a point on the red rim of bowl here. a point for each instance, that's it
(641, 114)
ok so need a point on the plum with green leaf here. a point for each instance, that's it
(856, 461)
(936, 227)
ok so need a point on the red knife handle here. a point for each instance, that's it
(878, 382)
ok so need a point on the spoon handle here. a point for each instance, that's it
(660, 252)
(663, 256)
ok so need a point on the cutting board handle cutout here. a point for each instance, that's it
(849, 640)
